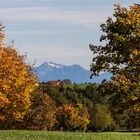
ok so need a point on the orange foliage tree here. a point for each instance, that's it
(16, 83)
(72, 117)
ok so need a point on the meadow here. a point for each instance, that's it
(50, 135)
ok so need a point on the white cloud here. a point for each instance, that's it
(57, 53)
(54, 50)
(46, 14)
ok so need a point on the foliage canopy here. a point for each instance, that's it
(121, 53)
(16, 83)
(121, 56)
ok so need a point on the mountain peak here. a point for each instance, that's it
(52, 64)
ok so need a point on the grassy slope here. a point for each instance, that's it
(44, 135)
(82, 86)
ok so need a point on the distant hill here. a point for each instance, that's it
(77, 74)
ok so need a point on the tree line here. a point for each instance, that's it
(111, 105)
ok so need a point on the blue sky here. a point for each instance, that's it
(56, 30)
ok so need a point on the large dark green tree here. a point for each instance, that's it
(121, 56)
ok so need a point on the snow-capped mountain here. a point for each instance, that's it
(77, 74)
(52, 65)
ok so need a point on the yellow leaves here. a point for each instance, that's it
(70, 117)
(122, 42)
(129, 19)
(3, 101)
(135, 108)
(18, 115)
(6, 87)
(16, 82)
(1, 117)
(133, 97)
(121, 82)
(135, 52)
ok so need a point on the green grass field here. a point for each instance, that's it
(45, 135)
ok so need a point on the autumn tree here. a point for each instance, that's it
(71, 118)
(121, 55)
(42, 109)
(16, 83)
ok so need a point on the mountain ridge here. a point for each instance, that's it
(48, 71)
